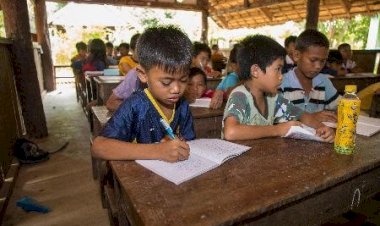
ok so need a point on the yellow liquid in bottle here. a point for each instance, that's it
(348, 113)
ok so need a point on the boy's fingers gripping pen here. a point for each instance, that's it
(168, 129)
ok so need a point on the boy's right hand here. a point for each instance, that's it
(174, 150)
(284, 127)
(325, 116)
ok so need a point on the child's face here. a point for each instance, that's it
(270, 80)
(346, 53)
(124, 51)
(201, 60)
(196, 86)
(109, 51)
(290, 49)
(311, 61)
(166, 88)
(83, 52)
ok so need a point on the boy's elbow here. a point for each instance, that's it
(229, 134)
(96, 148)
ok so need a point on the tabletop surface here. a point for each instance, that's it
(275, 172)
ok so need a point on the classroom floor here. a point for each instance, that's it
(64, 183)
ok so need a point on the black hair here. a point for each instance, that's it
(109, 45)
(289, 40)
(166, 47)
(134, 39)
(215, 46)
(97, 51)
(124, 45)
(200, 47)
(197, 71)
(260, 50)
(311, 37)
(335, 57)
(344, 45)
(80, 46)
(234, 53)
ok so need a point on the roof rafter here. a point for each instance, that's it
(253, 5)
(347, 7)
(267, 13)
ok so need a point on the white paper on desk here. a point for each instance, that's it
(201, 102)
(366, 126)
(302, 133)
(205, 155)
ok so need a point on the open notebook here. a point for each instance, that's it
(366, 126)
(205, 155)
(302, 132)
(202, 102)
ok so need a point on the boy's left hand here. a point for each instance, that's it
(326, 133)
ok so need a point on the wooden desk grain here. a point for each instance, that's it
(105, 85)
(278, 182)
(362, 80)
(212, 83)
(207, 122)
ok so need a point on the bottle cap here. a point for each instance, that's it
(350, 89)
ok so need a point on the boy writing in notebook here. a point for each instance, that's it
(135, 130)
(255, 109)
(305, 85)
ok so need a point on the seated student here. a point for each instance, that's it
(305, 86)
(366, 95)
(334, 64)
(97, 59)
(231, 80)
(135, 131)
(290, 45)
(78, 60)
(123, 50)
(197, 85)
(128, 62)
(201, 57)
(254, 108)
(218, 60)
(348, 64)
(109, 52)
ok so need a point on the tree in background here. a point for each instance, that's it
(353, 31)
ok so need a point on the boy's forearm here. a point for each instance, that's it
(112, 149)
(310, 120)
(113, 102)
(247, 132)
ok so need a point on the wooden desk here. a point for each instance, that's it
(362, 80)
(207, 122)
(278, 182)
(212, 83)
(375, 105)
(105, 85)
(90, 84)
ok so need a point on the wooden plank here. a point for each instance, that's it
(7, 187)
(312, 14)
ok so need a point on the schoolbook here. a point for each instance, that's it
(201, 102)
(366, 126)
(302, 132)
(205, 155)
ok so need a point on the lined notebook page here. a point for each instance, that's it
(202, 102)
(302, 133)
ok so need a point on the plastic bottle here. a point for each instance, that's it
(348, 113)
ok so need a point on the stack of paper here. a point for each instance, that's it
(202, 102)
(366, 126)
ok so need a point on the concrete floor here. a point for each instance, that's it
(64, 183)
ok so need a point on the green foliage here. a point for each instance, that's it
(2, 28)
(169, 15)
(150, 22)
(353, 31)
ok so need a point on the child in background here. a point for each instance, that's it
(231, 80)
(123, 50)
(255, 106)
(201, 56)
(97, 59)
(290, 46)
(348, 64)
(197, 85)
(109, 52)
(135, 131)
(334, 64)
(78, 60)
(128, 62)
(305, 86)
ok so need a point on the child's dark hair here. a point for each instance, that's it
(200, 47)
(124, 45)
(260, 50)
(97, 51)
(310, 38)
(134, 39)
(344, 45)
(335, 57)
(290, 39)
(197, 71)
(109, 45)
(166, 47)
(234, 53)
(80, 46)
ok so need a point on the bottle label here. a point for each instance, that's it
(348, 113)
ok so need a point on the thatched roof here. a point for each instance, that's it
(254, 13)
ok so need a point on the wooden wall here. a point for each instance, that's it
(10, 124)
(365, 59)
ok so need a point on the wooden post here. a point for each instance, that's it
(17, 28)
(204, 26)
(312, 14)
(44, 41)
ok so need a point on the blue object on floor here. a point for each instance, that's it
(28, 204)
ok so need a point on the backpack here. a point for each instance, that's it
(28, 152)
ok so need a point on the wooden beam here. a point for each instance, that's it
(266, 13)
(347, 7)
(16, 23)
(154, 4)
(312, 14)
(253, 5)
(203, 4)
(44, 40)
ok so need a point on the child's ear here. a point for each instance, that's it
(296, 55)
(255, 69)
(141, 74)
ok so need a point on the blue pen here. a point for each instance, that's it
(168, 129)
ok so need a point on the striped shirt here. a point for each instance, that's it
(323, 95)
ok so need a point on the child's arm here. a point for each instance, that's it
(233, 130)
(326, 133)
(112, 149)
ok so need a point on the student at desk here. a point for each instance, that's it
(135, 130)
(253, 107)
(305, 85)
